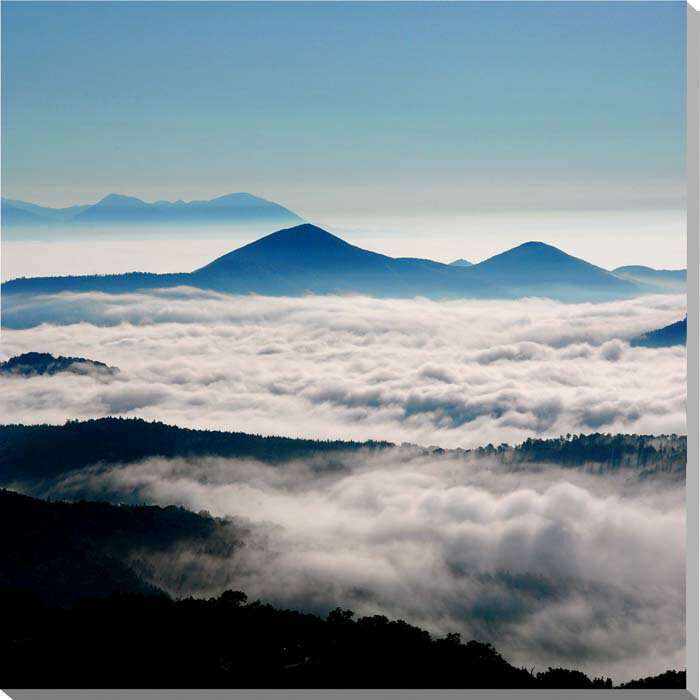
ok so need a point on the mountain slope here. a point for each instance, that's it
(237, 207)
(112, 284)
(44, 451)
(30, 364)
(15, 211)
(674, 280)
(461, 262)
(535, 268)
(78, 610)
(650, 272)
(666, 337)
(12, 215)
(63, 551)
(35, 453)
(117, 210)
(306, 259)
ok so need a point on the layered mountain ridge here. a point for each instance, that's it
(306, 259)
(120, 210)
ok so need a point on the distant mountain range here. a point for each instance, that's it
(30, 364)
(666, 337)
(117, 209)
(672, 279)
(305, 259)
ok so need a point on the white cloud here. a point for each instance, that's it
(459, 373)
(554, 567)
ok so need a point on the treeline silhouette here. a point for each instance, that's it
(666, 337)
(668, 679)
(142, 641)
(608, 451)
(40, 451)
(77, 610)
(109, 283)
(44, 451)
(33, 363)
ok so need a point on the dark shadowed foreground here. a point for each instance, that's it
(79, 610)
(140, 641)
(566, 552)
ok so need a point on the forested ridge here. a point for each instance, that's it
(80, 609)
(151, 641)
(46, 451)
(65, 551)
(86, 580)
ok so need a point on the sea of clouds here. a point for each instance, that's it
(453, 373)
(552, 566)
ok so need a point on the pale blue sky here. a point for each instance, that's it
(368, 116)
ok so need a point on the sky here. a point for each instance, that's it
(435, 129)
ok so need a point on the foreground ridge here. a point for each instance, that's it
(127, 633)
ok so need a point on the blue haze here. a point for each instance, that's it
(370, 117)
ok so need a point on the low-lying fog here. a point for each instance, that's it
(552, 566)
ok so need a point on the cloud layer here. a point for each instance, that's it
(554, 567)
(459, 373)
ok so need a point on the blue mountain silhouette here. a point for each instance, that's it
(673, 280)
(666, 337)
(240, 207)
(306, 259)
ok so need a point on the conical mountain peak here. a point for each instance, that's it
(302, 246)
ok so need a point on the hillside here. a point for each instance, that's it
(124, 211)
(306, 259)
(62, 552)
(536, 268)
(666, 337)
(30, 364)
(78, 611)
(673, 280)
(40, 451)
(31, 452)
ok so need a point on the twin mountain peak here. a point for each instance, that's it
(306, 259)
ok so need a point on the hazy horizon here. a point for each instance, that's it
(185, 247)
(417, 130)
(560, 122)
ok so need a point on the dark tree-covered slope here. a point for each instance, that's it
(669, 679)
(31, 452)
(666, 337)
(665, 453)
(138, 641)
(64, 551)
(30, 364)
(77, 610)
(41, 451)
